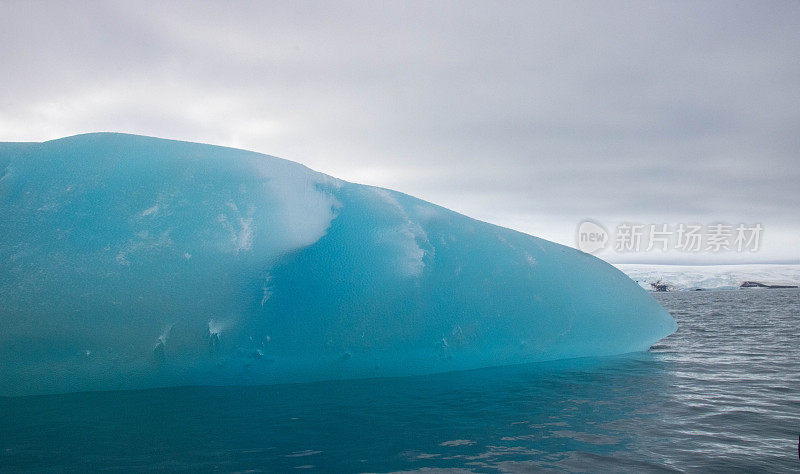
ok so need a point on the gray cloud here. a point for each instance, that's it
(531, 115)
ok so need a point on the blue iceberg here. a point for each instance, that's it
(131, 262)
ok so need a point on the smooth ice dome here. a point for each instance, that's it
(131, 262)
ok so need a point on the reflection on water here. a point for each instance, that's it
(721, 393)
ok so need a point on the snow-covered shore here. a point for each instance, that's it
(686, 277)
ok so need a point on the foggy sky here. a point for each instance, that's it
(524, 114)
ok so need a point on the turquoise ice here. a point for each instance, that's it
(131, 262)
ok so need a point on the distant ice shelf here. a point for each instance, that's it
(131, 262)
(711, 277)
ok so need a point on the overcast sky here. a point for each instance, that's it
(524, 114)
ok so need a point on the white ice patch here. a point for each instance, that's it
(150, 211)
(244, 238)
(165, 334)
(6, 174)
(295, 211)
(143, 241)
(425, 212)
(411, 254)
(122, 259)
(241, 232)
(406, 237)
(215, 327)
(49, 207)
(266, 290)
(305, 210)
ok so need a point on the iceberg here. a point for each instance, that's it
(131, 262)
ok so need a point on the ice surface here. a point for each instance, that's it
(711, 277)
(132, 262)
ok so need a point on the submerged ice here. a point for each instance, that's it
(129, 262)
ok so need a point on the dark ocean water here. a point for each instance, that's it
(721, 394)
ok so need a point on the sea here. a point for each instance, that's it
(722, 394)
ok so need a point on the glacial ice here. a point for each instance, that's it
(711, 277)
(131, 262)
